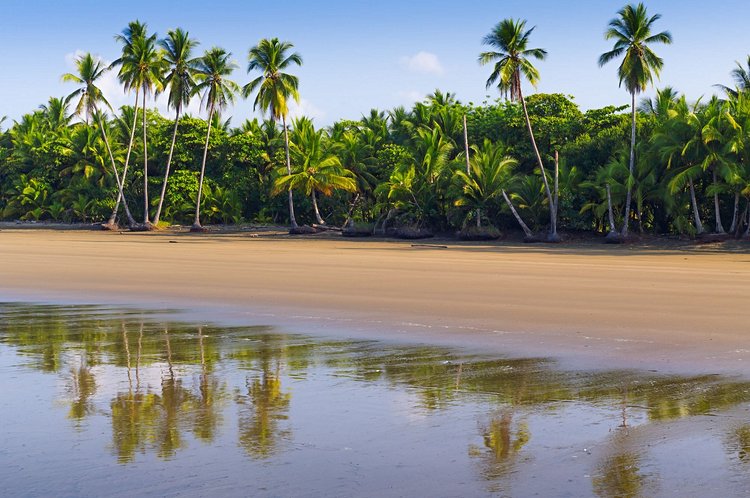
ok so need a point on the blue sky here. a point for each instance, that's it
(362, 54)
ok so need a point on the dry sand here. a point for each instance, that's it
(667, 308)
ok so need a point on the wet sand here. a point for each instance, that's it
(673, 308)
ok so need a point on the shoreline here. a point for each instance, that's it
(673, 310)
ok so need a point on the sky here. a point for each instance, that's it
(361, 54)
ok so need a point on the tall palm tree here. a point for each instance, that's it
(632, 32)
(142, 67)
(741, 77)
(275, 88)
(90, 70)
(177, 54)
(510, 39)
(134, 31)
(211, 73)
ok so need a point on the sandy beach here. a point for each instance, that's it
(679, 308)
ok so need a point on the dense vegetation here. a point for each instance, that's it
(668, 165)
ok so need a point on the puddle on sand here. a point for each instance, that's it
(101, 401)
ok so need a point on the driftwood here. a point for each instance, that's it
(430, 246)
(326, 228)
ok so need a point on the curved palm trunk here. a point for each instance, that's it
(612, 228)
(717, 210)
(696, 215)
(114, 168)
(197, 223)
(120, 194)
(631, 168)
(145, 164)
(468, 166)
(157, 216)
(524, 227)
(292, 218)
(552, 235)
(735, 213)
(320, 219)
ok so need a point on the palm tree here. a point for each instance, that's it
(275, 87)
(90, 70)
(632, 32)
(177, 54)
(211, 73)
(134, 31)
(141, 68)
(316, 169)
(741, 77)
(511, 40)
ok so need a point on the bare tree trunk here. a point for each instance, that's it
(320, 219)
(735, 213)
(631, 169)
(552, 236)
(120, 194)
(468, 164)
(612, 228)
(145, 165)
(197, 223)
(114, 168)
(292, 218)
(696, 215)
(525, 228)
(717, 211)
(479, 218)
(157, 217)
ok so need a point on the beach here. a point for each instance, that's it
(631, 306)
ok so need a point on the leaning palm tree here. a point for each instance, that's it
(275, 87)
(632, 32)
(211, 73)
(177, 47)
(510, 39)
(90, 70)
(135, 30)
(142, 66)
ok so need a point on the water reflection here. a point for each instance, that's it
(166, 387)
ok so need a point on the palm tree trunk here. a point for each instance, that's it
(631, 168)
(120, 194)
(696, 215)
(468, 165)
(145, 164)
(717, 210)
(747, 219)
(612, 228)
(552, 236)
(479, 218)
(114, 168)
(292, 218)
(320, 219)
(525, 228)
(735, 213)
(197, 223)
(169, 164)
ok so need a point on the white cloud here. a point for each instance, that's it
(411, 97)
(423, 62)
(305, 108)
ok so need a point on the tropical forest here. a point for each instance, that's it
(524, 162)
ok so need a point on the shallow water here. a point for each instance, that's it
(106, 401)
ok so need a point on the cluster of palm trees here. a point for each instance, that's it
(438, 165)
(148, 67)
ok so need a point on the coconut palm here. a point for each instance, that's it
(211, 73)
(89, 95)
(510, 39)
(632, 32)
(141, 67)
(741, 77)
(275, 88)
(316, 168)
(56, 113)
(177, 55)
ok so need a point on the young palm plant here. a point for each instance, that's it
(632, 32)
(212, 73)
(275, 88)
(510, 39)
(90, 70)
(316, 169)
(177, 54)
